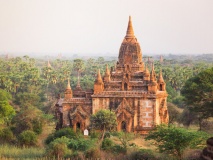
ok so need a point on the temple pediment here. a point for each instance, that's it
(79, 112)
(124, 106)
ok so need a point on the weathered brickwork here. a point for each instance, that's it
(129, 89)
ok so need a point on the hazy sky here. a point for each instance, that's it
(99, 26)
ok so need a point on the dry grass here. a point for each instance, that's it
(139, 141)
(14, 152)
(48, 129)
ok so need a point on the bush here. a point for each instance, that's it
(207, 126)
(37, 126)
(58, 148)
(27, 138)
(94, 134)
(118, 149)
(80, 144)
(66, 132)
(192, 154)
(93, 153)
(179, 101)
(107, 135)
(142, 154)
(107, 144)
(175, 141)
(6, 135)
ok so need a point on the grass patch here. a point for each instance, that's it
(14, 152)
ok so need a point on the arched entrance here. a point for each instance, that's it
(123, 126)
(78, 125)
(161, 87)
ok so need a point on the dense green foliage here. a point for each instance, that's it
(27, 138)
(107, 144)
(103, 120)
(67, 143)
(175, 140)
(198, 92)
(58, 148)
(6, 110)
(65, 132)
(6, 135)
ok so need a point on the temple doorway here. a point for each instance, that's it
(123, 126)
(161, 87)
(78, 125)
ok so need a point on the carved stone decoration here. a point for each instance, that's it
(79, 118)
(125, 114)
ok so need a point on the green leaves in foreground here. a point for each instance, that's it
(175, 140)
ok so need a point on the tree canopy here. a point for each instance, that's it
(198, 92)
(103, 120)
(6, 110)
(175, 140)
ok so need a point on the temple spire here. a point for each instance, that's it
(68, 84)
(99, 79)
(153, 67)
(160, 77)
(130, 31)
(146, 70)
(107, 72)
(153, 75)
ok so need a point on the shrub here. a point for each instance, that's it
(27, 138)
(175, 141)
(6, 135)
(49, 139)
(93, 153)
(107, 144)
(94, 134)
(207, 126)
(118, 149)
(107, 135)
(37, 126)
(142, 154)
(66, 132)
(124, 138)
(58, 148)
(80, 144)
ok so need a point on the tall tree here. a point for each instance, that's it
(198, 92)
(103, 120)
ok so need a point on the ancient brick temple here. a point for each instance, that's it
(129, 89)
